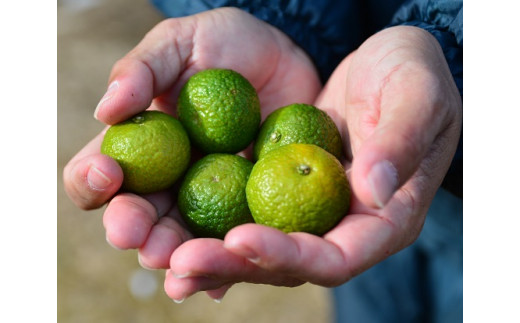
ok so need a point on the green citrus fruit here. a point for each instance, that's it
(298, 188)
(298, 123)
(220, 110)
(152, 148)
(212, 198)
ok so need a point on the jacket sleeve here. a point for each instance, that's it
(443, 19)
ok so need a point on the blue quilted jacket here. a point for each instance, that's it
(328, 30)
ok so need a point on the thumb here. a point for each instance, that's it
(147, 71)
(411, 124)
(403, 114)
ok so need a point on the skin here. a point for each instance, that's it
(393, 100)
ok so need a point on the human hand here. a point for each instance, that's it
(399, 112)
(151, 75)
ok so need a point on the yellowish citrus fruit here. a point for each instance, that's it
(152, 148)
(220, 110)
(298, 188)
(212, 198)
(298, 123)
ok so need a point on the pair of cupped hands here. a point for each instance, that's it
(394, 102)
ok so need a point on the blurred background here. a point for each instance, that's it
(97, 283)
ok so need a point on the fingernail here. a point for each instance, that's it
(178, 301)
(141, 262)
(254, 260)
(111, 244)
(383, 180)
(222, 291)
(180, 276)
(97, 180)
(243, 251)
(112, 88)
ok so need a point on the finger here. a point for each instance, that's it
(300, 255)
(393, 153)
(90, 178)
(148, 70)
(128, 220)
(409, 123)
(180, 288)
(218, 294)
(208, 258)
(358, 242)
(400, 99)
(165, 236)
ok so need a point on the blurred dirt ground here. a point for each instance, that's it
(97, 283)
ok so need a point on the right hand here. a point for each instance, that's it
(151, 76)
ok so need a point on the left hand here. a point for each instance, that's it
(399, 112)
